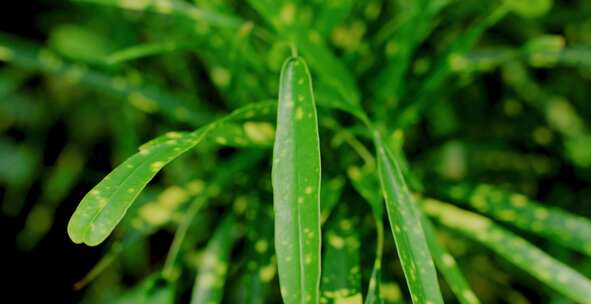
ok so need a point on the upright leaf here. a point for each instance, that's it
(296, 186)
(447, 266)
(407, 230)
(367, 185)
(341, 273)
(210, 280)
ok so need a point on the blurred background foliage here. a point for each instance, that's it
(487, 92)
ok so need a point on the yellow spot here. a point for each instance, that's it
(300, 200)
(391, 48)
(354, 173)
(259, 132)
(457, 62)
(267, 273)
(221, 76)
(315, 37)
(172, 197)
(288, 12)
(240, 204)
(173, 135)
(49, 60)
(308, 190)
(507, 215)
(5, 54)
(261, 246)
(301, 81)
(195, 186)
(134, 4)
(156, 165)
(541, 214)
(308, 259)
(206, 280)
(470, 296)
(542, 136)
(163, 6)
(141, 102)
(448, 260)
(345, 224)
(335, 241)
(354, 299)
(391, 292)
(102, 202)
(562, 277)
(299, 115)
(518, 200)
(220, 140)
(154, 214)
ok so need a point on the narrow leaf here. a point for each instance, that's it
(106, 204)
(210, 280)
(261, 268)
(341, 273)
(296, 186)
(367, 185)
(406, 228)
(448, 267)
(556, 225)
(516, 250)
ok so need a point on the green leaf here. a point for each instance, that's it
(516, 250)
(160, 211)
(153, 290)
(175, 8)
(296, 186)
(143, 96)
(341, 273)
(332, 14)
(450, 60)
(261, 268)
(106, 204)
(209, 284)
(529, 8)
(406, 228)
(367, 185)
(556, 225)
(330, 196)
(247, 134)
(148, 49)
(447, 266)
